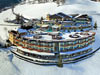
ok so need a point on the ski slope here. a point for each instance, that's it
(10, 65)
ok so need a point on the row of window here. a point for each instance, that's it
(76, 54)
(42, 44)
(77, 27)
(61, 49)
(68, 48)
(62, 46)
(53, 57)
(41, 48)
(51, 44)
(36, 56)
(77, 41)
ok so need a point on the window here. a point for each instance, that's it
(66, 43)
(46, 49)
(62, 44)
(79, 45)
(51, 49)
(68, 47)
(43, 44)
(74, 47)
(74, 42)
(16, 42)
(69, 42)
(61, 49)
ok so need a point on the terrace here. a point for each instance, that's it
(52, 35)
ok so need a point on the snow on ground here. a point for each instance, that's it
(6, 14)
(6, 66)
(36, 9)
(51, 8)
(4, 31)
(10, 65)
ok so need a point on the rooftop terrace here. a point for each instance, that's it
(52, 36)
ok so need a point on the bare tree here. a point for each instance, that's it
(63, 1)
(58, 2)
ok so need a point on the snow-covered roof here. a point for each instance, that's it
(48, 36)
(63, 15)
(55, 26)
(22, 30)
(78, 16)
(44, 26)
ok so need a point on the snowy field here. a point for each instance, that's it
(10, 65)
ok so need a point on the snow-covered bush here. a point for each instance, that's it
(2, 42)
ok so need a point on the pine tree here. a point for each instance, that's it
(41, 20)
(81, 28)
(60, 64)
(54, 0)
(17, 18)
(95, 25)
(58, 2)
(21, 20)
(63, 1)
